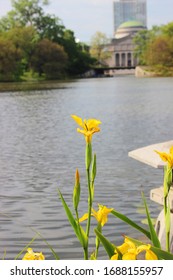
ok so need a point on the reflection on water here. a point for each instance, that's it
(40, 151)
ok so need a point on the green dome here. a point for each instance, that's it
(131, 23)
(128, 28)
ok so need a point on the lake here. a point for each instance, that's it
(40, 151)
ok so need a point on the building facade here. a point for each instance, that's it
(129, 10)
(121, 48)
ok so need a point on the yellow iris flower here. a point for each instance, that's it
(167, 157)
(90, 127)
(101, 215)
(31, 256)
(130, 251)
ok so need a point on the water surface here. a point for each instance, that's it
(40, 151)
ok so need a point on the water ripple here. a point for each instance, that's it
(40, 152)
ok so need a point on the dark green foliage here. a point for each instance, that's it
(10, 57)
(43, 42)
(50, 59)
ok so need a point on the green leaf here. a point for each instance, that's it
(154, 237)
(131, 223)
(164, 255)
(49, 246)
(25, 248)
(81, 235)
(109, 247)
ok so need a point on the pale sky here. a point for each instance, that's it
(86, 17)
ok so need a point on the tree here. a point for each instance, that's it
(24, 13)
(155, 47)
(50, 27)
(27, 11)
(50, 59)
(160, 52)
(142, 40)
(98, 48)
(25, 39)
(26, 25)
(10, 61)
(168, 29)
(141, 43)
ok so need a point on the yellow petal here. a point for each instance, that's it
(81, 131)
(30, 255)
(123, 248)
(78, 120)
(130, 243)
(114, 257)
(92, 123)
(39, 256)
(30, 251)
(150, 255)
(143, 248)
(129, 256)
(102, 214)
(164, 156)
(83, 218)
(171, 151)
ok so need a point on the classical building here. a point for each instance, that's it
(130, 17)
(121, 47)
(129, 10)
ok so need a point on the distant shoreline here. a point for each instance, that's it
(32, 85)
(147, 71)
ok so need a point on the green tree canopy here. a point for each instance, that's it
(98, 48)
(160, 51)
(27, 26)
(155, 48)
(26, 12)
(49, 58)
(10, 57)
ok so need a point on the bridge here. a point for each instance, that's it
(108, 70)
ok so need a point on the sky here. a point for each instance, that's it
(86, 17)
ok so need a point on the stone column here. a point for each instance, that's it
(120, 56)
(126, 59)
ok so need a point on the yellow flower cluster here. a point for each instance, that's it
(90, 127)
(129, 251)
(31, 256)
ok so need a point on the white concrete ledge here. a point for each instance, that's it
(148, 156)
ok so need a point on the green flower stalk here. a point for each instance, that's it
(89, 127)
(88, 155)
(166, 188)
(93, 175)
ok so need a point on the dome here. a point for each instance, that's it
(127, 28)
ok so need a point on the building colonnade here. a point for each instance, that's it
(125, 59)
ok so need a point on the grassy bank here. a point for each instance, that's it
(33, 85)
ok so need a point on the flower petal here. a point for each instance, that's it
(92, 123)
(129, 256)
(164, 156)
(78, 120)
(143, 248)
(123, 248)
(171, 151)
(114, 257)
(150, 255)
(83, 218)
